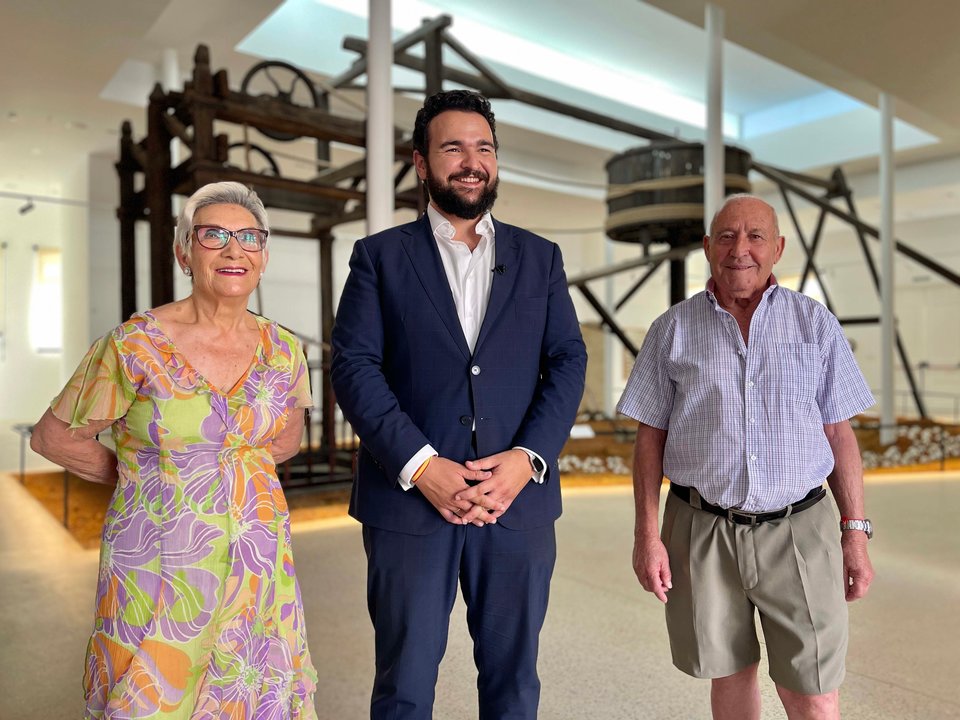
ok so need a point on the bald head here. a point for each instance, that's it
(739, 197)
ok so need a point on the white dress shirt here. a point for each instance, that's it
(470, 276)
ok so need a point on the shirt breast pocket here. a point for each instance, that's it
(795, 371)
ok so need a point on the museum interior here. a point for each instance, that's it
(620, 123)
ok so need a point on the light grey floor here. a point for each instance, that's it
(604, 651)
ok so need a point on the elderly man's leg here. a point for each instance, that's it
(737, 696)
(810, 707)
(710, 621)
(803, 610)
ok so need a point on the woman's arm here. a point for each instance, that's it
(77, 450)
(287, 443)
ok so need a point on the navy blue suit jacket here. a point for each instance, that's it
(404, 375)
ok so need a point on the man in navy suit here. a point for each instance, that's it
(457, 358)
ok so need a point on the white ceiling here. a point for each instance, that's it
(801, 77)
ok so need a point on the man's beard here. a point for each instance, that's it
(450, 202)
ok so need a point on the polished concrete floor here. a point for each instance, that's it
(604, 651)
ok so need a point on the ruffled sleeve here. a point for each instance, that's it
(99, 388)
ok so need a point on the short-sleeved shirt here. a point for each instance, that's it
(745, 422)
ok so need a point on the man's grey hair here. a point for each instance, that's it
(219, 193)
(744, 196)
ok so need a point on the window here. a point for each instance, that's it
(46, 301)
(3, 301)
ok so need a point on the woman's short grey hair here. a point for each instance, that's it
(219, 193)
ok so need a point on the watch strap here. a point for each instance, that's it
(862, 524)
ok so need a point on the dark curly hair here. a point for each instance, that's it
(463, 100)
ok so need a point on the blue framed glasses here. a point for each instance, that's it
(214, 237)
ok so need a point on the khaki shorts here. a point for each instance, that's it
(789, 570)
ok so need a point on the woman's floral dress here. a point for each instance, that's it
(198, 611)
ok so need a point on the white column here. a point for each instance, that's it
(380, 148)
(170, 76)
(171, 80)
(611, 344)
(887, 318)
(713, 166)
(74, 239)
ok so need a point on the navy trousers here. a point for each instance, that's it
(411, 587)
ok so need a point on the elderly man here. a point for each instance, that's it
(744, 394)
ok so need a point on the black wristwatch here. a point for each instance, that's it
(537, 464)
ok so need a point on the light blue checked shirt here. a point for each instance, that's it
(745, 423)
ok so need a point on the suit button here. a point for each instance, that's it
(466, 420)
(475, 370)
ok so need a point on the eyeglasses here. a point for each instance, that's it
(214, 237)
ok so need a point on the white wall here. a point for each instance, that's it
(28, 379)
(928, 307)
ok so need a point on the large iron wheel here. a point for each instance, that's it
(283, 81)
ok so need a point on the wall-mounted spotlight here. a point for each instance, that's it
(26, 207)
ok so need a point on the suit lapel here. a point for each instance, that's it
(508, 260)
(422, 251)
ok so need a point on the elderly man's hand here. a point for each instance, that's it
(652, 566)
(857, 568)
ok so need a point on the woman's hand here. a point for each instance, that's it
(287, 443)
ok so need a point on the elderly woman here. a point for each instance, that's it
(198, 611)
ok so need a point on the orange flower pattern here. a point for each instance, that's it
(198, 613)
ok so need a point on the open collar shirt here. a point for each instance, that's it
(745, 421)
(469, 273)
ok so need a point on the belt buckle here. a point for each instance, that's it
(731, 514)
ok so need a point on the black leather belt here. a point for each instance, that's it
(747, 518)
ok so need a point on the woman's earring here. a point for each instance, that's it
(187, 271)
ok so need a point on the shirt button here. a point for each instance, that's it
(753, 420)
(753, 458)
(749, 383)
(475, 370)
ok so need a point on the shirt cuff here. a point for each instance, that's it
(413, 464)
(537, 477)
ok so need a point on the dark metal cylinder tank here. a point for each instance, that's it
(655, 192)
